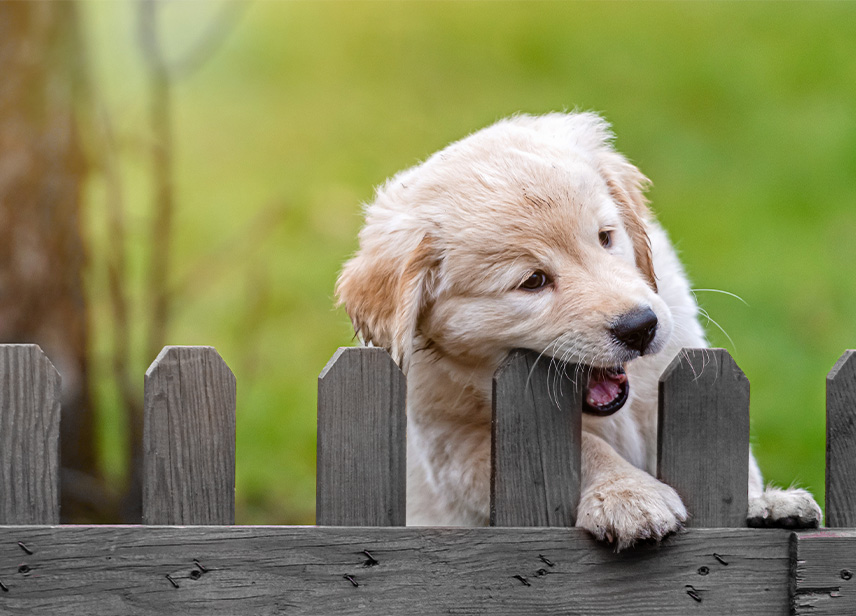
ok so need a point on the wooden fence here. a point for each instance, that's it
(189, 558)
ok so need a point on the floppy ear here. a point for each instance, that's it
(627, 187)
(385, 288)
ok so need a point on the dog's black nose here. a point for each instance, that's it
(636, 329)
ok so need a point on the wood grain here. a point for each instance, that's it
(342, 571)
(825, 572)
(189, 438)
(841, 442)
(535, 478)
(29, 436)
(361, 464)
(703, 445)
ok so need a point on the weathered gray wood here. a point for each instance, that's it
(361, 464)
(841, 442)
(189, 438)
(342, 571)
(825, 572)
(703, 445)
(29, 436)
(535, 479)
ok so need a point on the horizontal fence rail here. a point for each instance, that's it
(391, 571)
(360, 560)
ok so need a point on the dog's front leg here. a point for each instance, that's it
(620, 503)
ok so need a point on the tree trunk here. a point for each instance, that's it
(41, 248)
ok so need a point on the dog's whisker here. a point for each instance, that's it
(553, 375)
(686, 356)
(704, 313)
(729, 293)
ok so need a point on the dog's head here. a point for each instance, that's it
(530, 233)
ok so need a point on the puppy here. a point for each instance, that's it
(532, 233)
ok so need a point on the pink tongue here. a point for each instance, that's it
(603, 388)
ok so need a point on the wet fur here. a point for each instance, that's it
(444, 249)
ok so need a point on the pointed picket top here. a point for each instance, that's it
(703, 444)
(189, 438)
(361, 461)
(537, 406)
(29, 436)
(841, 442)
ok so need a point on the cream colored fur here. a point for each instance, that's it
(444, 250)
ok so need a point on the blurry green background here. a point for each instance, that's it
(742, 114)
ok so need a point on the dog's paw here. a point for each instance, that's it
(631, 508)
(794, 508)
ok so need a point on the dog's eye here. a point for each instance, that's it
(538, 280)
(605, 238)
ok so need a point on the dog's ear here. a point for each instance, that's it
(385, 288)
(627, 187)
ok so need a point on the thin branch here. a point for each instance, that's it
(105, 155)
(236, 250)
(161, 79)
(218, 30)
(160, 238)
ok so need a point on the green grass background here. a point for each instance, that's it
(742, 114)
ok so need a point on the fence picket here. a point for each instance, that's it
(703, 444)
(535, 479)
(29, 436)
(361, 465)
(841, 442)
(189, 438)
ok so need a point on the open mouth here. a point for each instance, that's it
(606, 392)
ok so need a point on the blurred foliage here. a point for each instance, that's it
(741, 113)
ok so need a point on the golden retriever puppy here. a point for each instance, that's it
(532, 233)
